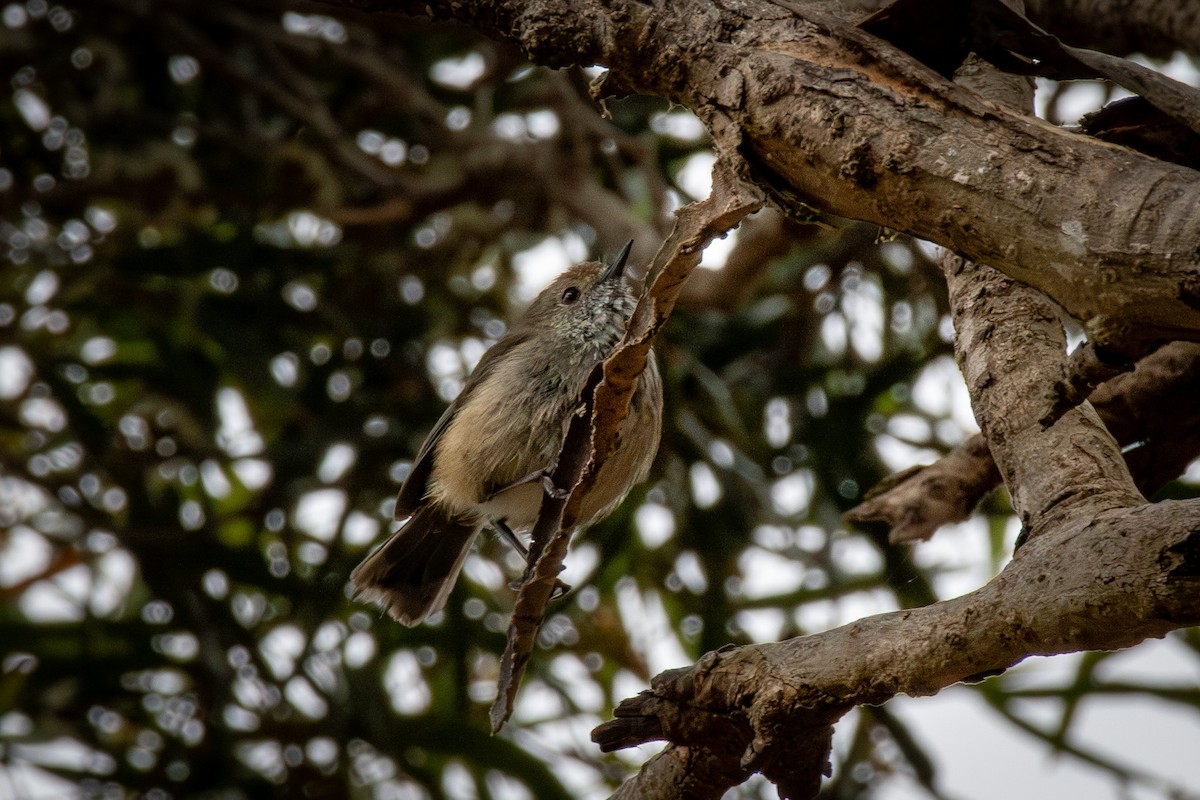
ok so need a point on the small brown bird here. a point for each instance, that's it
(487, 459)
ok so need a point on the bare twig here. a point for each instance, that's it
(919, 500)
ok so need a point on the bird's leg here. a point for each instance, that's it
(542, 475)
(508, 535)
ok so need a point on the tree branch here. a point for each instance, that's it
(1154, 27)
(1010, 343)
(1102, 584)
(870, 134)
(1100, 570)
(1150, 412)
(919, 500)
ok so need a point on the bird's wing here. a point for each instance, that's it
(416, 485)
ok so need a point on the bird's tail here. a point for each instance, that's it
(412, 574)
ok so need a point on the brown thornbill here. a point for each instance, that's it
(487, 459)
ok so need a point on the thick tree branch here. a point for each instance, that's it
(1010, 343)
(867, 133)
(1099, 584)
(1101, 570)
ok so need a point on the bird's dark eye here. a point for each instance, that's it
(570, 295)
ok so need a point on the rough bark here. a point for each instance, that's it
(1098, 584)
(828, 115)
(1009, 342)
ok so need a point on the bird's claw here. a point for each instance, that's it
(552, 489)
(560, 589)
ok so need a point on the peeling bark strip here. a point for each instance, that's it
(852, 125)
(593, 434)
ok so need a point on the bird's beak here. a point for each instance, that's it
(617, 268)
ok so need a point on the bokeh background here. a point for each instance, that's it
(249, 251)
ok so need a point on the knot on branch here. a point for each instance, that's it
(735, 705)
(681, 707)
(1181, 561)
